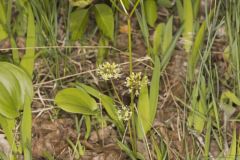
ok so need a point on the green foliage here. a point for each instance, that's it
(143, 118)
(150, 7)
(78, 23)
(27, 62)
(167, 36)
(158, 38)
(198, 112)
(16, 94)
(154, 89)
(107, 102)
(76, 101)
(194, 56)
(105, 20)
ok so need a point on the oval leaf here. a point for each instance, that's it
(78, 23)
(105, 20)
(76, 101)
(15, 86)
(150, 7)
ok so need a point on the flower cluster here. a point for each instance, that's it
(109, 71)
(124, 113)
(135, 82)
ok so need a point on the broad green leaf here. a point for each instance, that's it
(107, 102)
(26, 130)
(15, 87)
(76, 101)
(27, 62)
(143, 117)
(168, 35)
(188, 25)
(194, 56)
(80, 3)
(16, 94)
(150, 7)
(78, 23)
(105, 20)
(232, 152)
(154, 89)
(3, 32)
(158, 38)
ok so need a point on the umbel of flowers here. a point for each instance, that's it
(134, 83)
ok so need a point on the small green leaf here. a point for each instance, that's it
(199, 120)
(150, 7)
(168, 35)
(105, 20)
(76, 101)
(78, 23)
(158, 38)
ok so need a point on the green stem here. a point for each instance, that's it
(133, 136)
(116, 93)
(130, 44)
